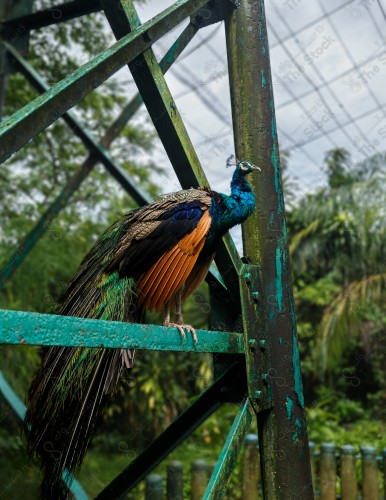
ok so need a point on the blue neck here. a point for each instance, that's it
(239, 183)
(233, 209)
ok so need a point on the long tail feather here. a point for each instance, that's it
(73, 385)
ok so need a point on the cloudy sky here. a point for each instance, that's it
(328, 61)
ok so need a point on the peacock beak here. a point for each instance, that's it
(256, 168)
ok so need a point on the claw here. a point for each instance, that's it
(181, 327)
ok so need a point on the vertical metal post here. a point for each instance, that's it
(286, 471)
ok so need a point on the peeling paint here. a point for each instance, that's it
(298, 384)
(289, 404)
(263, 80)
(279, 280)
(298, 428)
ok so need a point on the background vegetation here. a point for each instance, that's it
(337, 239)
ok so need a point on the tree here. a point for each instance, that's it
(338, 235)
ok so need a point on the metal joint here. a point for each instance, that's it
(213, 12)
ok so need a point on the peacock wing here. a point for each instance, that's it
(163, 244)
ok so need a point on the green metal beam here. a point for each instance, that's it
(82, 132)
(37, 115)
(159, 101)
(20, 409)
(27, 328)
(53, 15)
(227, 460)
(282, 428)
(73, 184)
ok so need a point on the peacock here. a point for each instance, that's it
(150, 259)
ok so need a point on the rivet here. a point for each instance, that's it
(263, 344)
(247, 277)
(258, 394)
(255, 296)
(252, 343)
(264, 377)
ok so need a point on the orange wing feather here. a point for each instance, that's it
(163, 280)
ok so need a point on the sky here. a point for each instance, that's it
(328, 62)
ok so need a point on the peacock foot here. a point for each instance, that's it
(181, 328)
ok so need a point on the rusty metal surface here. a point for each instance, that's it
(49, 329)
(282, 430)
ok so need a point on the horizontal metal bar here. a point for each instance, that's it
(54, 15)
(73, 184)
(82, 132)
(37, 115)
(209, 401)
(225, 464)
(30, 328)
(20, 409)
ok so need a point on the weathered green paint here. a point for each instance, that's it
(255, 346)
(265, 244)
(49, 329)
(26, 123)
(263, 80)
(20, 409)
(289, 404)
(73, 184)
(297, 434)
(227, 460)
(298, 383)
(279, 280)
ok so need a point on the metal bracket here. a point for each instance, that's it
(257, 356)
(213, 12)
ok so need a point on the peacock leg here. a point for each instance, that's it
(180, 325)
(180, 319)
(172, 325)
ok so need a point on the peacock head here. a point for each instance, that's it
(242, 166)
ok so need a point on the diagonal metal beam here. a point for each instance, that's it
(54, 15)
(227, 460)
(20, 409)
(29, 121)
(82, 132)
(163, 111)
(208, 402)
(17, 327)
(73, 184)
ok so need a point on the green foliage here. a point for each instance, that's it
(337, 244)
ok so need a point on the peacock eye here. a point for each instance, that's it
(244, 166)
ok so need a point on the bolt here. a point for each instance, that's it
(255, 296)
(264, 377)
(263, 345)
(258, 394)
(252, 344)
(247, 277)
